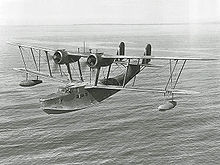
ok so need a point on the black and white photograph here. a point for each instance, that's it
(109, 82)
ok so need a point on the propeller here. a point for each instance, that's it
(56, 57)
(52, 59)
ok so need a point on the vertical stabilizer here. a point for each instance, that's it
(122, 48)
(147, 53)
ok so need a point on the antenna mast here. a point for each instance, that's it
(84, 46)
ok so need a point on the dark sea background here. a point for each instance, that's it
(127, 128)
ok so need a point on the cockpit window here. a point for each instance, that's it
(63, 90)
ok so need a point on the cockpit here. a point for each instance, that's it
(63, 90)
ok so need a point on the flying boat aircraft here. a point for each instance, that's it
(76, 94)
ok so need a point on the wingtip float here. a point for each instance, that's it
(30, 83)
(167, 106)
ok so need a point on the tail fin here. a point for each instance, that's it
(147, 53)
(121, 50)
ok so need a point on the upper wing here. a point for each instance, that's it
(110, 56)
(70, 53)
(33, 47)
(156, 58)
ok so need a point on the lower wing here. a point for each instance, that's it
(153, 90)
(40, 74)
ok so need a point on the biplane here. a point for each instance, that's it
(77, 92)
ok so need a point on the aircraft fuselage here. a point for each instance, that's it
(77, 97)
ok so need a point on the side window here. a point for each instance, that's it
(81, 95)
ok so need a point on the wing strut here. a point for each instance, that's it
(138, 63)
(179, 74)
(39, 59)
(109, 69)
(69, 72)
(125, 76)
(22, 56)
(170, 80)
(48, 63)
(171, 74)
(97, 76)
(32, 53)
(80, 71)
(90, 75)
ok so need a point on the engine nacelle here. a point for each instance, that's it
(96, 61)
(62, 57)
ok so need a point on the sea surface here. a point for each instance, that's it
(126, 128)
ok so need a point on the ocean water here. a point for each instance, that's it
(127, 128)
